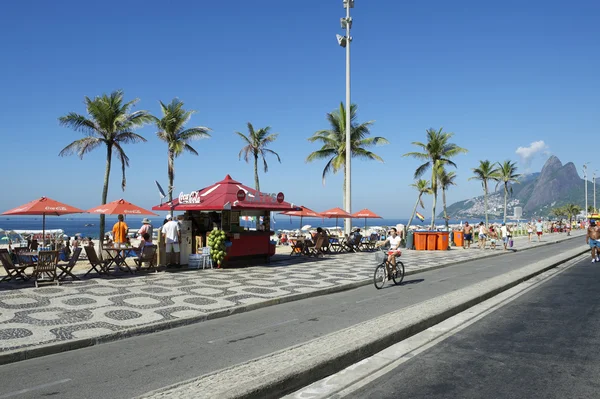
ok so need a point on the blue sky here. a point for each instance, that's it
(500, 76)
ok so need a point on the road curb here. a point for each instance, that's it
(54, 348)
(287, 370)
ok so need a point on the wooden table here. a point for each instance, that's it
(116, 256)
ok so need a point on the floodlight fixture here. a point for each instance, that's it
(341, 40)
(348, 2)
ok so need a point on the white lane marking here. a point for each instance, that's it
(35, 388)
(368, 370)
(248, 332)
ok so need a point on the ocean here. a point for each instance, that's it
(89, 226)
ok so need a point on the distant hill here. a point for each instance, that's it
(536, 193)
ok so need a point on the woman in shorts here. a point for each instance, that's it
(529, 231)
(394, 250)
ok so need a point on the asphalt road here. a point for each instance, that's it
(545, 344)
(131, 367)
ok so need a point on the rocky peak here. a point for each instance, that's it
(552, 165)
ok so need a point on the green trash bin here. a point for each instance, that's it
(410, 240)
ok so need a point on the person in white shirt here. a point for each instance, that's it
(172, 237)
(394, 240)
(506, 235)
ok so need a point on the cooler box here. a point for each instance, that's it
(459, 238)
(442, 240)
(420, 241)
(431, 241)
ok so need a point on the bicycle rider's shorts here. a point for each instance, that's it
(395, 252)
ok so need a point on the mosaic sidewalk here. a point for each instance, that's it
(98, 307)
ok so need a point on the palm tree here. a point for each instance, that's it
(445, 180)
(256, 145)
(437, 152)
(485, 172)
(423, 187)
(110, 123)
(334, 142)
(572, 210)
(591, 209)
(171, 129)
(559, 211)
(507, 174)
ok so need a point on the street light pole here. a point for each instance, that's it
(594, 180)
(347, 23)
(586, 193)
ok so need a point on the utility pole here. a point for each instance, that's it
(586, 193)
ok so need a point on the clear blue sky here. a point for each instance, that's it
(500, 76)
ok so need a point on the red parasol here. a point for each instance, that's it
(44, 206)
(336, 213)
(367, 214)
(227, 194)
(120, 207)
(304, 212)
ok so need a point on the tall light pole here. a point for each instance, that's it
(594, 180)
(344, 41)
(586, 193)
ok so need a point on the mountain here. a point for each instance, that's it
(536, 193)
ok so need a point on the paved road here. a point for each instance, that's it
(134, 366)
(545, 344)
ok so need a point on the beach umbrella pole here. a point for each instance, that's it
(43, 229)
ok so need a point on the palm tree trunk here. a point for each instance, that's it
(445, 213)
(434, 188)
(505, 201)
(256, 184)
(485, 201)
(171, 174)
(105, 196)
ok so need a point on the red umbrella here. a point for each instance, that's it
(304, 212)
(44, 206)
(367, 214)
(336, 213)
(120, 207)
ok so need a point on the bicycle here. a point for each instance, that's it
(381, 271)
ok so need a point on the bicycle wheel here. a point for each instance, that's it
(399, 275)
(379, 276)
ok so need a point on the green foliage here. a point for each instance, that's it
(256, 146)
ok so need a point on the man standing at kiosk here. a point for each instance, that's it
(172, 237)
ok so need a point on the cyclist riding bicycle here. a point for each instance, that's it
(394, 250)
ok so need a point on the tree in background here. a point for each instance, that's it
(507, 175)
(171, 130)
(423, 187)
(334, 142)
(256, 146)
(445, 179)
(109, 123)
(485, 172)
(437, 152)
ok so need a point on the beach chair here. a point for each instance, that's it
(97, 265)
(66, 269)
(46, 267)
(298, 246)
(12, 271)
(369, 244)
(321, 245)
(353, 243)
(148, 256)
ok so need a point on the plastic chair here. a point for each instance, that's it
(206, 258)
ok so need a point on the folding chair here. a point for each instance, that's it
(66, 269)
(46, 266)
(206, 258)
(147, 255)
(97, 265)
(12, 270)
(298, 247)
(317, 249)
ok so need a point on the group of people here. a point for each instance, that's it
(493, 234)
(170, 231)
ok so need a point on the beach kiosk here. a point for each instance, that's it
(221, 206)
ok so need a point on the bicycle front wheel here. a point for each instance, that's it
(379, 276)
(399, 275)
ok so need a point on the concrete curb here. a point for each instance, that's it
(285, 371)
(50, 349)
